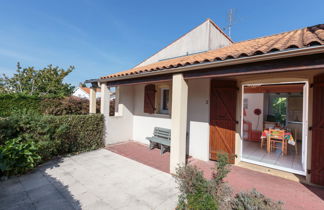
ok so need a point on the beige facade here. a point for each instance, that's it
(189, 118)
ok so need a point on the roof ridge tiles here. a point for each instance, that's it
(299, 38)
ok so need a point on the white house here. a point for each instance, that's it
(212, 92)
(84, 92)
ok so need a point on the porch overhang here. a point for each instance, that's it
(283, 61)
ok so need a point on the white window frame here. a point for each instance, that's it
(163, 111)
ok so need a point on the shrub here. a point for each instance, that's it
(220, 190)
(194, 189)
(197, 192)
(17, 156)
(8, 129)
(255, 201)
(65, 106)
(56, 135)
(10, 103)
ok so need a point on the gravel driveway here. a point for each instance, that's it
(94, 180)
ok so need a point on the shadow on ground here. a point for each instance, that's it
(319, 191)
(37, 190)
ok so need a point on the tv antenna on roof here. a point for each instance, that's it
(230, 20)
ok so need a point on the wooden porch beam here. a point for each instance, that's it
(294, 88)
(310, 62)
(142, 80)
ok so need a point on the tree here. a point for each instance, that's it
(46, 81)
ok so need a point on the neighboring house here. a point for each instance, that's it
(211, 92)
(84, 92)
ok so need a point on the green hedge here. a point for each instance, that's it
(55, 135)
(14, 102)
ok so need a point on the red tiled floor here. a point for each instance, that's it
(295, 195)
(142, 154)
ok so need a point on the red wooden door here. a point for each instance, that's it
(222, 117)
(317, 170)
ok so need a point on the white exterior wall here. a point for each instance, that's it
(143, 123)
(198, 118)
(120, 127)
(255, 101)
(202, 38)
(82, 94)
(131, 123)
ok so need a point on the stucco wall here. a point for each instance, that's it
(120, 127)
(136, 125)
(198, 118)
(254, 101)
(202, 38)
(143, 123)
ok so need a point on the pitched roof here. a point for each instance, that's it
(301, 38)
(87, 90)
(210, 37)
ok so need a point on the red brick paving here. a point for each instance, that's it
(142, 154)
(294, 195)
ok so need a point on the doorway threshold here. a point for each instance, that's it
(294, 175)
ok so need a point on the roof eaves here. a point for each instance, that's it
(241, 60)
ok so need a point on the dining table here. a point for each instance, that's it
(288, 138)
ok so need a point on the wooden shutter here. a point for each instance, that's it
(222, 118)
(149, 99)
(317, 170)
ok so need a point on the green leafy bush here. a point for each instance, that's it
(55, 135)
(11, 103)
(194, 189)
(18, 156)
(255, 201)
(66, 106)
(8, 129)
(199, 193)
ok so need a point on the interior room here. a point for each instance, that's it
(273, 125)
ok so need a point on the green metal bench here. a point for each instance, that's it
(161, 137)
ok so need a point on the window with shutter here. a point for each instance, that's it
(149, 99)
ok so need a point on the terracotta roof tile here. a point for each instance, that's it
(87, 90)
(300, 38)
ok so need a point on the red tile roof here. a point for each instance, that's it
(87, 90)
(300, 38)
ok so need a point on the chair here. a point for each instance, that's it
(263, 141)
(278, 136)
(295, 136)
(294, 131)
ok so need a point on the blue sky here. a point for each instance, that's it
(100, 37)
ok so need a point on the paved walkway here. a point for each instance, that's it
(94, 180)
(295, 195)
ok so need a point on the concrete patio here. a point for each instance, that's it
(94, 180)
(295, 195)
